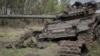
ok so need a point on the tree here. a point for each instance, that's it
(37, 7)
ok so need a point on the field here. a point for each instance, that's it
(10, 34)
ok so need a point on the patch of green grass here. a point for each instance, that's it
(49, 51)
(15, 52)
(9, 34)
(95, 50)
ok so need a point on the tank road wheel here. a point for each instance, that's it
(69, 48)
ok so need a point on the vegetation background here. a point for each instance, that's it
(29, 7)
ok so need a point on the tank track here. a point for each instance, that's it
(69, 48)
(75, 48)
(97, 31)
(88, 38)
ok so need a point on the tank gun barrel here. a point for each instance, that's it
(29, 16)
(70, 14)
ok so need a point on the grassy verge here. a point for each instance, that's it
(10, 34)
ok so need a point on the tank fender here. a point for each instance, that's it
(82, 28)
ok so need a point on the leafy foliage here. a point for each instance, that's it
(30, 7)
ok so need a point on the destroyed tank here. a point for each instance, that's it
(74, 29)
